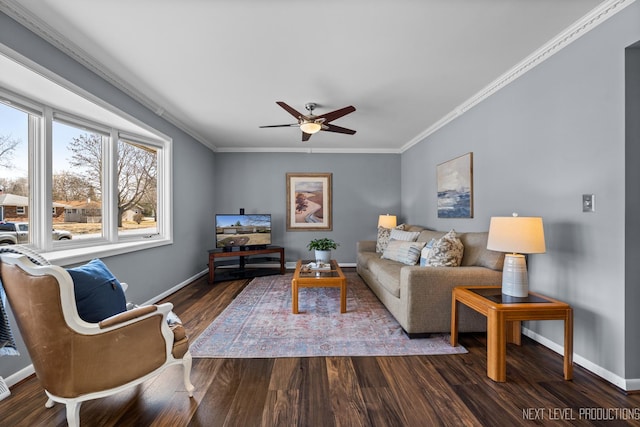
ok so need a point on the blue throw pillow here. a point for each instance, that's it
(98, 293)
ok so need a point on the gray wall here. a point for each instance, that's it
(632, 191)
(364, 186)
(149, 272)
(540, 143)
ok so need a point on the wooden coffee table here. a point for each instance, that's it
(327, 278)
(504, 315)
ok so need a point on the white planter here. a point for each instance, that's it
(323, 256)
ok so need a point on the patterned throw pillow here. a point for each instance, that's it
(424, 255)
(383, 237)
(405, 236)
(446, 251)
(404, 252)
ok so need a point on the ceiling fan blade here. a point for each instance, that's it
(305, 136)
(280, 126)
(338, 129)
(337, 113)
(290, 110)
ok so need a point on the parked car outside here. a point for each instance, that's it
(12, 233)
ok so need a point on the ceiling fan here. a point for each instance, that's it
(310, 123)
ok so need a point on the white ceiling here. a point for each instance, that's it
(216, 67)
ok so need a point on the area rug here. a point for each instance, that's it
(259, 324)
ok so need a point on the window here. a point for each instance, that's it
(15, 132)
(104, 184)
(137, 187)
(77, 177)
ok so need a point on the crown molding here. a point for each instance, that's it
(18, 13)
(579, 28)
(306, 150)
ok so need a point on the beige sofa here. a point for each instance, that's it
(420, 297)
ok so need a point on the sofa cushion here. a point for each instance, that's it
(365, 259)
(387, 273)
(428, 235)
(384, 234)
(98, 293)
(476, 252)
(446, 251)
(405, 236)
(404, 252)
(408, 227)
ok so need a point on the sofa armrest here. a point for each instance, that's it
(366, 246)
(426, 291)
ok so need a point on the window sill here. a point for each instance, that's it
(70, 256)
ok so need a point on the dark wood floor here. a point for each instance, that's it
(342, 391)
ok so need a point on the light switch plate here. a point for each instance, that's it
(588, 203)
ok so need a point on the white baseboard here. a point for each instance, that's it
(624, 384)
(291, 265)
(176, 288)
(22, 374)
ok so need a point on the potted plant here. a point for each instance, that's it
(322, 248)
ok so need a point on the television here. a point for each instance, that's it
(243, 231)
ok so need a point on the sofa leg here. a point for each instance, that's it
(417, 334)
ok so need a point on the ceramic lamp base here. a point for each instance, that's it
(515, 281)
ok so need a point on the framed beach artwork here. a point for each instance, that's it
(455, 187)
(308, 201)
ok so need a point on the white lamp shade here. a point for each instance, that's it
(516, 234)
(387, 221)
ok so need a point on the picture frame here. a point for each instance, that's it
(455, 187)
(309, 201)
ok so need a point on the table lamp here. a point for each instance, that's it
(387, 221)
(516, 235)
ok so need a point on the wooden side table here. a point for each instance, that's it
(504, 314)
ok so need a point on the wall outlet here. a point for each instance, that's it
(588, 203)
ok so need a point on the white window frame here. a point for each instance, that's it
(40, 145)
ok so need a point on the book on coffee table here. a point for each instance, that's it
(319, 266)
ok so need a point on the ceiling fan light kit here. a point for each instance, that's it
(310, 127)
(310, 123)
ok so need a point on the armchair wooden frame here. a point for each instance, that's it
(78, 361)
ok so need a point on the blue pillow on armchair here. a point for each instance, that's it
(98, 293)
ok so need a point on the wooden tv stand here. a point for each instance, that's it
(238, 259)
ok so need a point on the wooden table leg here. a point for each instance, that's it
(343, 296)
(294, 296)
(568, 345)
(514, 334)
(496, 346)
(454, 321)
